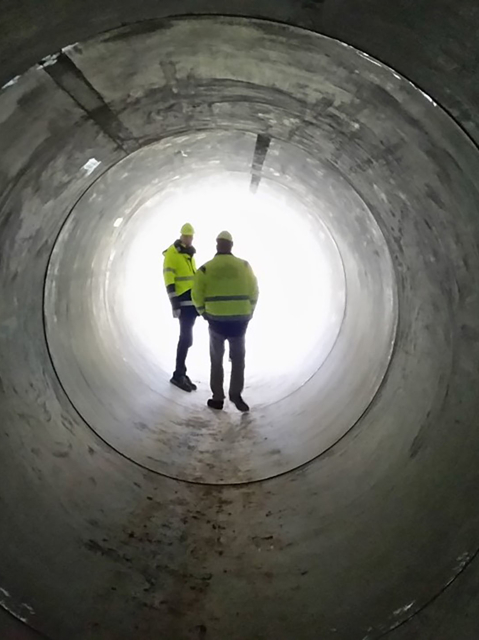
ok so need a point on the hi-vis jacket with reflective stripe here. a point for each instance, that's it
(179, 270)
(225, 289)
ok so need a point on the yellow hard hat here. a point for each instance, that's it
(225, 235)
(187, 230)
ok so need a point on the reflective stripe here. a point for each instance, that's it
(187, 303)
(169, 270)
(184, 278)
(172, 294)
(225, 298)
(210, 316)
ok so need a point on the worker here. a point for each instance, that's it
(179, 271)
(225, 293)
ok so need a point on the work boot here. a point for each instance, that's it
(240, 404)
(215, 404)
(192, 384)
(181, 382)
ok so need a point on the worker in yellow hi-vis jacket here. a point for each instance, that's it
(179, 271)
(225, 292)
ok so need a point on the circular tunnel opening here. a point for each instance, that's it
(278, 235)
(326, 306)
(385, 173)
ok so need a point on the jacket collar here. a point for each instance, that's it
(180, 247)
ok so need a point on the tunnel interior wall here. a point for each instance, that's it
(74, 481)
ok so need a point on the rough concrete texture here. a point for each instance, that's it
(377, 537)
(143, 416)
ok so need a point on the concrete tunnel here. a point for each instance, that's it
(345, 505)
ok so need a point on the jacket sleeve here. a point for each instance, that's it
(198, 290)
(254, 290)
(169, 273)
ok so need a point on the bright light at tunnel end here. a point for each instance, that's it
(282, 243)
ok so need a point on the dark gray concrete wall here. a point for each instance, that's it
(426, 43)
(13, 629)
(352, 545)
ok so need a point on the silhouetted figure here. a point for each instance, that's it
(225, 292)
(179, 271)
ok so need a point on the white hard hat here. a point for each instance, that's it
(225, 235)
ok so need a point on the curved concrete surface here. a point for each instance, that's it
(126, 399)
(374, 537)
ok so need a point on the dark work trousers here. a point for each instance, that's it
(237, 355)
(187, 321)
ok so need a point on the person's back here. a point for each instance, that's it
(225, 293)
(229, 294)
